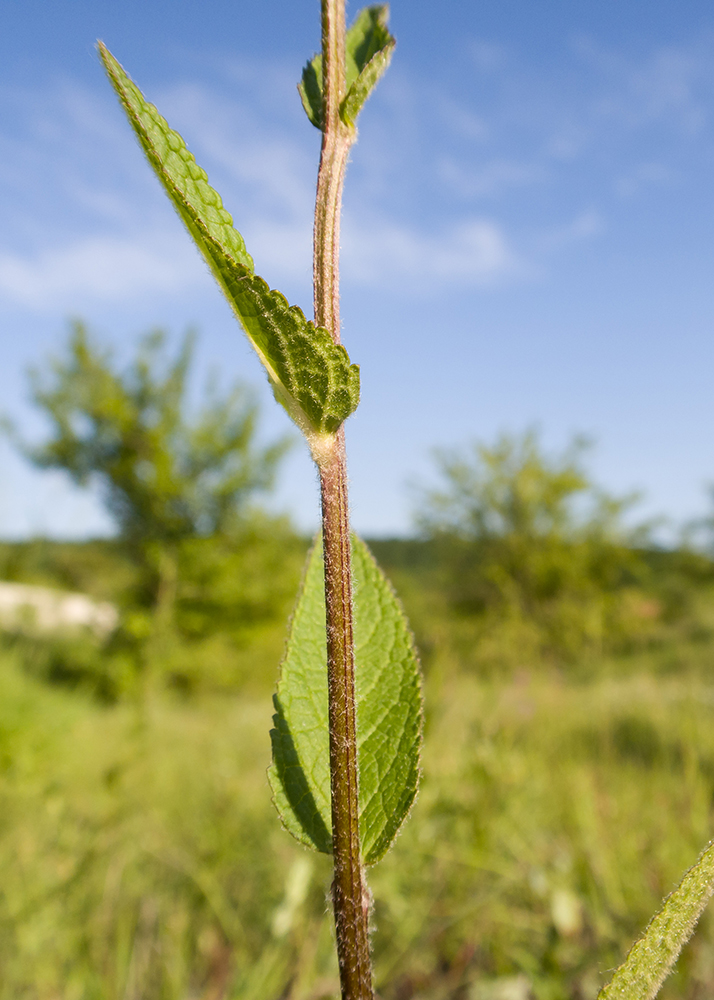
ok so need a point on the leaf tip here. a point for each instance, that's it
(106, 56)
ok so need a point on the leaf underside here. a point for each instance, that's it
(651, 959)
(311, 376)
(389, 712)
(368, 51)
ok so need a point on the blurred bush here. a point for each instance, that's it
(524, 560)
(202, 576)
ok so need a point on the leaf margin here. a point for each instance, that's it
(373, 848)
(223, 249)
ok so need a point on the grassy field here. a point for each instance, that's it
(568, 763)
(140, 856)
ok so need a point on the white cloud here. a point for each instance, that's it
(642, 177)
(486, 56)
(584, 226)
(490, 179)
(100, 267)
(283, 247)
(102, 230)
(114, 269)
(277, 171)
(669, 85)
(474, 252)
(124, 248)
(463, 121)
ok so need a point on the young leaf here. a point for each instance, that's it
(650, 960)
(310, 90)
(311, 376)
(389, 712)
(369, 48)
(368, 51)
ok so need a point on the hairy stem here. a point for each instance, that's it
(336, 141)
(349, 891)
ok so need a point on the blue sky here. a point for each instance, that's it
(528, 235)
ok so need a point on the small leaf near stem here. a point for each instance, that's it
(349, 891)
(368, 51)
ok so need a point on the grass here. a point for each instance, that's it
(140, 856)
(553, 819)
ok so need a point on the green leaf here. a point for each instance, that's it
(650, 960)
(311, 376)
(310, 90)
(369, 48)
(389, 712)
(368, 51)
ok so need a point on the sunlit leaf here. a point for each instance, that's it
(389, 712)
(311, 376)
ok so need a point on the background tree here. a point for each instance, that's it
(528, 538)
(181, 483)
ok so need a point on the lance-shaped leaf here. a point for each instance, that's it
(651, 959)
(311, 376)
(368, 51)
(389, 712)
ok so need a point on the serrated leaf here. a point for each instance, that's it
(651, 959)
(389, 712)
(311, 376)
(368, 51)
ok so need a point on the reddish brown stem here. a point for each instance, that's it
(349, 890)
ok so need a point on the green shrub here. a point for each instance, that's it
(534, 562)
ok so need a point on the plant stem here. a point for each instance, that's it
(349, 890)
(337, 139)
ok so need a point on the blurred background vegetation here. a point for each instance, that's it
(568, 767)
